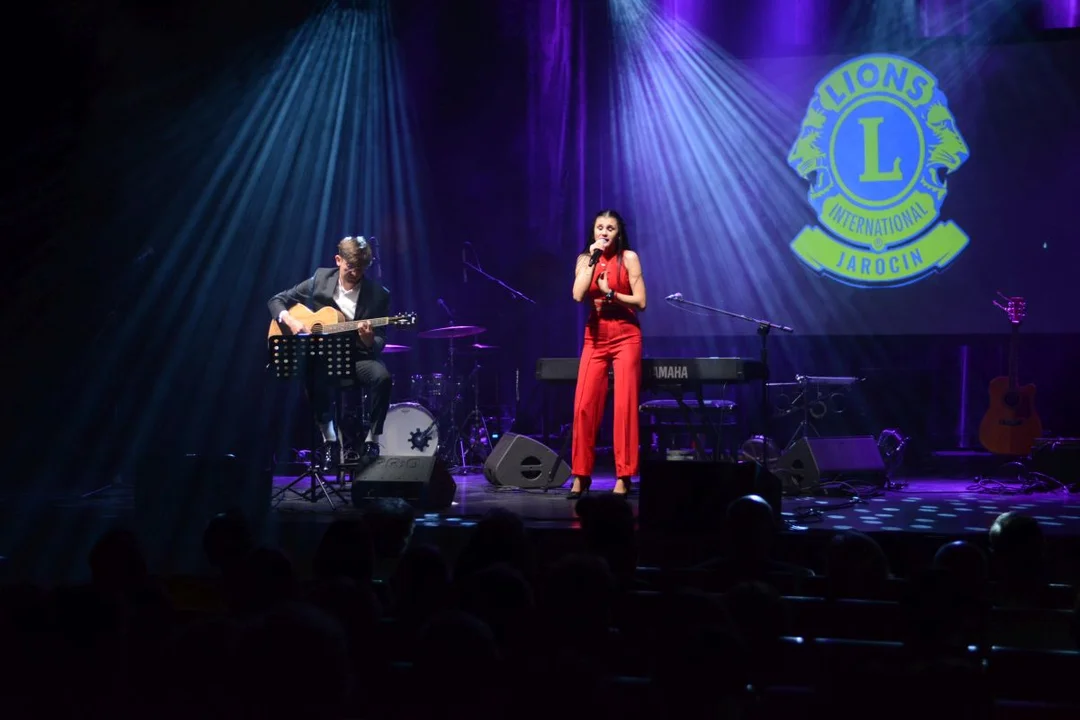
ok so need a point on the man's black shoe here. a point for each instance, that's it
(369, 453)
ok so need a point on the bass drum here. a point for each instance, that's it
(410, 430)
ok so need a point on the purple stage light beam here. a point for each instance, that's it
(1060, 14)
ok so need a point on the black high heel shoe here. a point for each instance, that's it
(583, 489)
(626, 482)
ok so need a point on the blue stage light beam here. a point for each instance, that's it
(244, 192)
(700, 161)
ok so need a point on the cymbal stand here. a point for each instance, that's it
(471, 444)
(450, 452)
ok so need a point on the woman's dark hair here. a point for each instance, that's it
(622, 240)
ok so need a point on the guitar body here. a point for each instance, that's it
(312, 321)
(1011, 424)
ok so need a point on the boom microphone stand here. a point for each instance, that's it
(763, 329)
(514, 293)
(517, 294)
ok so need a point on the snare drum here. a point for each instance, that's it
(410, 430)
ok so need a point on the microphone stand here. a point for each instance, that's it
(516, 293)
(764, 327)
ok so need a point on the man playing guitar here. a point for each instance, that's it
(345, 289)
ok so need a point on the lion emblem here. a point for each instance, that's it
(876, 147)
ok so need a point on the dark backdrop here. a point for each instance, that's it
(108, 360)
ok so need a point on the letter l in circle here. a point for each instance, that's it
(871, 153)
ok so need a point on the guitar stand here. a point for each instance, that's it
(316, 358)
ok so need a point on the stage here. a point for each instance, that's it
(58, 530)
(936, 505)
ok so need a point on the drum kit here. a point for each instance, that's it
(429, 421)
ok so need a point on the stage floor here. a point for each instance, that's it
(47, 537)
(930, 505)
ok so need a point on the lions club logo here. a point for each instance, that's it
(876, 145)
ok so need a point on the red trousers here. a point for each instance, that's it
(608, 343)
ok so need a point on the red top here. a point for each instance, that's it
(618, 278)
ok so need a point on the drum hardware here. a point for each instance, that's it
(476, 443)
(391, 349)
(450, 451)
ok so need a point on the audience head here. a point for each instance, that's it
(1015, 534)
(1016, 549)
(354, 606)
(701, 671)
(391, 522)
(749, 529)
(117, 563)
(346, 550)
(856, 566)
(578, 594)
(196, 658)
(966, 562)
(263, 581)
(758, 611)
(421, 582)
(227, 540)
(941, 616)
(500, 537)
(452, 650)
(502, 598)
(607, 523)
(291, 636)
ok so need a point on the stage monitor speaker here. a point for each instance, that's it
(519, 461)
(813, 460)
(421, 480)
(688, 497)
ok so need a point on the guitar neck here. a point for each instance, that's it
(352, 325)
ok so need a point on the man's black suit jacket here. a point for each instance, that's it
(317, 292)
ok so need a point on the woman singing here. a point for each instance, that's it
(615, 292)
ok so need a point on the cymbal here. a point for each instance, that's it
(452, 331)
(482, 346)
(395, 348)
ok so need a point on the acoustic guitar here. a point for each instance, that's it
(1011, 424)
(329, 321)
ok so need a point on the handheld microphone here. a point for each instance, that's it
(595, 257)
(674, 297)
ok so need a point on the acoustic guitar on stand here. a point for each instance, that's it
(329, 321)
(1011, 424)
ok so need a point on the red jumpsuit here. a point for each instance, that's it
(612, 338)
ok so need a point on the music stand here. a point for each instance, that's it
(323, 358)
